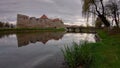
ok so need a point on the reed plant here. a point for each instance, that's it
(77, 55)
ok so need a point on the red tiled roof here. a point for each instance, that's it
(43, 17)
(57, 19)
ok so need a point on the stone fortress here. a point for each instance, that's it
(24, 21)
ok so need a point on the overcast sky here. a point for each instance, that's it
(67, 10)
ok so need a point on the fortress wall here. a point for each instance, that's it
(58, 24)
(24, 21)
(32, 20)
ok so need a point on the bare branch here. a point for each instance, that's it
(103, 9)
(93, 12)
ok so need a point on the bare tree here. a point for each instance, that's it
(113, 10)
(95, 7)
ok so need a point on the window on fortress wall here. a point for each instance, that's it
(41, 20)
(30, 18)
(37, 19)
(24, 17)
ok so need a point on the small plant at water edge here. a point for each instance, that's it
(77, 55)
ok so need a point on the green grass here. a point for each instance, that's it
(103, 54)
(30, 29)
(107, 52)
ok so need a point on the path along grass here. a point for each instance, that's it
(103, 54)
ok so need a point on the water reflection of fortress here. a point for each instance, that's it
(25, 39)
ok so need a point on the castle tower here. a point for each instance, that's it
(22, 21)
(43, 17)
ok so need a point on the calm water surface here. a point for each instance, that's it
(37, 50)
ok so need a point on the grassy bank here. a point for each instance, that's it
(103, 54)
(106, 52)
(30, 29)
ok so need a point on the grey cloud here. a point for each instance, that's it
(67, 10)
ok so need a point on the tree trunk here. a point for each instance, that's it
(117, 23)
(104, 20)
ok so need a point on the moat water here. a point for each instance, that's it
(37, 50)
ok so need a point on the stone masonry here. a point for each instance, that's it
(24, 21)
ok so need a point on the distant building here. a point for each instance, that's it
(24, 21)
